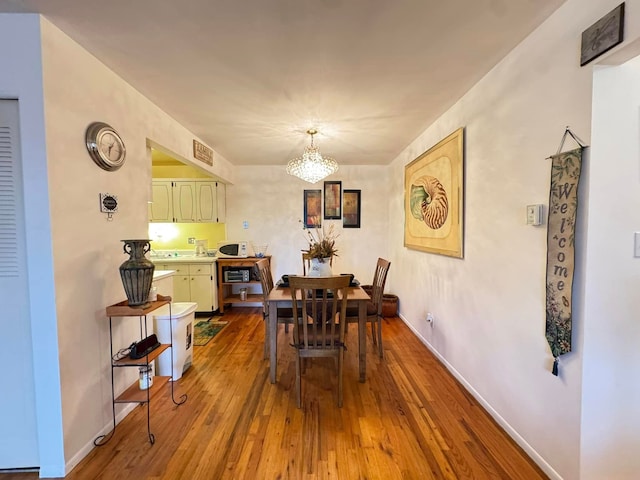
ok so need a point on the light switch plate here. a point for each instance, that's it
(636, 244)
(534, 215)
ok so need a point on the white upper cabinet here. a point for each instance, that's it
(222, 202)
(184, 202)
(161, 207)
(206, 202)
(187, 201)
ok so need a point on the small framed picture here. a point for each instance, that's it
(351, 209)
(312, 208)
(332, 200)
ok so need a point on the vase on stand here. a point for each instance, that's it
(137, 272)
(320, 267)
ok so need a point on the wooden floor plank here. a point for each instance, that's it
(410, 420)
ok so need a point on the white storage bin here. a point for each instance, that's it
(181, 322)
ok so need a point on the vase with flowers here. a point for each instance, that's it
(322, 248)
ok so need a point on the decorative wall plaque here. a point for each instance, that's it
(603, 35)
(202, 152)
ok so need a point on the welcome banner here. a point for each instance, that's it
(563, 206)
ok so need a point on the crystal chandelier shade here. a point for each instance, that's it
(312, 166)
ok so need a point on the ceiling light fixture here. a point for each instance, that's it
(312, 166)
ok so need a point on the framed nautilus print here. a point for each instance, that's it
(434, 198)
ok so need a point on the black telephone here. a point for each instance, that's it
(144, 347)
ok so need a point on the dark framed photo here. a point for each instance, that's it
(351, 209)
(603, 35)
(332, 200)
(312, 208)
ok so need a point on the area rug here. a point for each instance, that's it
(205, 330)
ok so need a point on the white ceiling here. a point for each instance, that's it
(249, 77)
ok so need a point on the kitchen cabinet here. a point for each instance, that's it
(161, 207)
(221, 200)
(193, 282)
(226, 293)
(184, 202)
(187, 201)
(134, 393)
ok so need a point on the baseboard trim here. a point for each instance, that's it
(535, 456)
(84, 451)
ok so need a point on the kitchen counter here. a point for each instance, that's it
(183, 259)
(160, 274)
(194, 278)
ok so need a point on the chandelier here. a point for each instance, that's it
(312, 166)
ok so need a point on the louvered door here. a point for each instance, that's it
(18, 439)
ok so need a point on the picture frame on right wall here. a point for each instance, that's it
(351, 209)
(434, 198)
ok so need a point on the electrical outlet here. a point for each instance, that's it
(245, 224)
(192, 240)
(431, 319)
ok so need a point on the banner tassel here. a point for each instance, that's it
(555, 367)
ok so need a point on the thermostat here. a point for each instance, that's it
(534, 215)
(108, 203)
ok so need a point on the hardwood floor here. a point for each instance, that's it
(410, 420)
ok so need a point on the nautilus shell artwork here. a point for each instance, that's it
(429, 201)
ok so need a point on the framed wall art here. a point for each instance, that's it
(332, 200)
(312, 208)
(603, 35)
(434, 198)
(351, 209)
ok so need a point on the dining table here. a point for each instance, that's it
(280, 297)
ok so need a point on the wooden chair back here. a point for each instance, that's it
(379, 280)
(319, 326)
(266, 280)
(374, 307)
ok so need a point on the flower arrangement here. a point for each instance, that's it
(321, 244)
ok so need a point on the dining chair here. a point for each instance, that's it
(285, 315)
(374, 307)
(318, 329)
(306, 263)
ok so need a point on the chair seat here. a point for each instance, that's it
(285, 312)
(352, 312)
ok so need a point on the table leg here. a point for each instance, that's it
(362, 340)
(273, 340)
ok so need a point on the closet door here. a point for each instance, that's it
(18, 433)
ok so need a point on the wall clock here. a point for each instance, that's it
(105, 146)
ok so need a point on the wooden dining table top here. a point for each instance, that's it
(283, 294)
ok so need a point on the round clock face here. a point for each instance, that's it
(105, 146)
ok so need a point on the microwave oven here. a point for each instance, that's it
(232, 250)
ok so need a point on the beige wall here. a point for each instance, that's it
(272, 203)
(490, 307)
(87, 249)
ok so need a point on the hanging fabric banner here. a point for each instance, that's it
(563, 206)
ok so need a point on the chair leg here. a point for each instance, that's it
(373, 331)
(265, 353)
(340, 365)
(380, 350)
(298, 383)
(286, 327)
